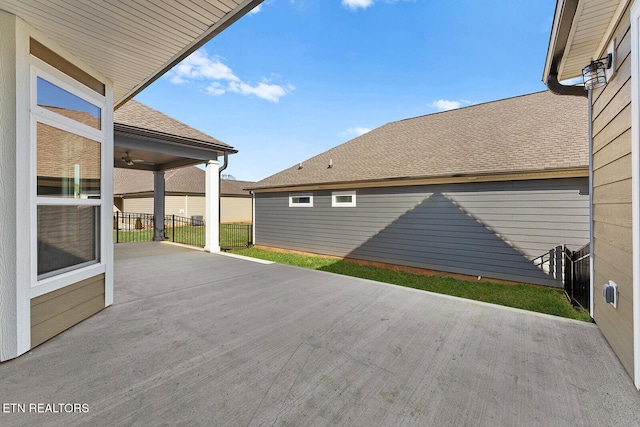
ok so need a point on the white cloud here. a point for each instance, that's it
(353, 132)
(215, 88)
(200, 66)
(445, 105)
(255, 10)
(358, 131)
(264, 90)
(363, 4)
(355, 4)
(221, 79)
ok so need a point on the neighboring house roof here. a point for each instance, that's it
(138, 118)
(528, 133)
(189, 180)
(232, 187)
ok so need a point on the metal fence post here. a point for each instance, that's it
(117, 227)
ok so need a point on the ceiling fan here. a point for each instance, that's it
(130, 162)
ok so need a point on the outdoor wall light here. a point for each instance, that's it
(594, 74)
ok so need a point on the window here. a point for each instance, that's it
(343, 199)
(60, 101)
(67, 120)
(67, 238)
(68, 164)
(300, 200)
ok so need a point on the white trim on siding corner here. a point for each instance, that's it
(635, 186)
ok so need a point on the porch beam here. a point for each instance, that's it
(164, 147)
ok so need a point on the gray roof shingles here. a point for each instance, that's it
(140, 116)
(528, 133)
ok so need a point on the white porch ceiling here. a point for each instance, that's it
(131, 42)
(592, 25)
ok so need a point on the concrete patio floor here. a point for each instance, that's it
(197, 339)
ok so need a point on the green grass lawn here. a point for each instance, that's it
(527, 297)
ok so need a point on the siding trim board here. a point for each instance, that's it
(487, 229)
(59, 310)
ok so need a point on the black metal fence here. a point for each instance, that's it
(132, 227)
(571, 268)
(188, 231)
(235, 236)
(577, 283)
(137, 227)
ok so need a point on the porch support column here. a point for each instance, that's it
(158, 205)
(17, 189)
(212, 201)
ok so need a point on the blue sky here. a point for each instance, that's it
(295, 78)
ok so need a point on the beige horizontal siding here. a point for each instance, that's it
(612, 249)
(59, 310)
(614, 194)
(615, 128)
(140, 205)
(196, 206)
(236, 209)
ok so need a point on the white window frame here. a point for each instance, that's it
(301, 205)
(64, 277)
(336, 204)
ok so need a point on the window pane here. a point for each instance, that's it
(301, 200)
(344, 199)
(68, 164)
(60, 101)
(67, 237)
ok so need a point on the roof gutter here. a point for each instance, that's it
(559, 89)
(122, 129)
(562, 22)
(222, 168)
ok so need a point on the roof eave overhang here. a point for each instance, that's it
(577, 172)
(569, 16)
(136, 132)
(562, 20)
(213, 31)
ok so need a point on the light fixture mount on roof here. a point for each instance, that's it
(594, 74)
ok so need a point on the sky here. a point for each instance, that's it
(294, 78)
